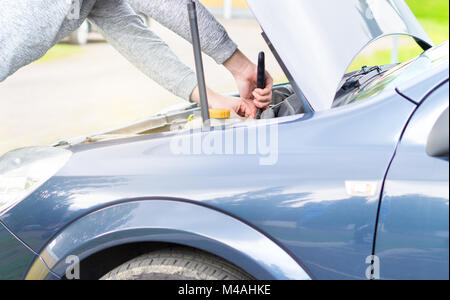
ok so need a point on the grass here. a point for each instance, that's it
(432, 9)
(437, 30)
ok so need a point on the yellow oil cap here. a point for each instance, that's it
(219, 113)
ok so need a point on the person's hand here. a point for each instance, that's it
(243, 108)
(246, 76)
(237, 106)
(247, 85)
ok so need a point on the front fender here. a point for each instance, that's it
(169, 221)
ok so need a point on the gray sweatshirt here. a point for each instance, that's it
(29, 28)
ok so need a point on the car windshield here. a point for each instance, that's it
(397, 75)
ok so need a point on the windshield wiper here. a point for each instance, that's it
(354, 80)
(357, 79)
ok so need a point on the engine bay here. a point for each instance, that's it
(187, 116)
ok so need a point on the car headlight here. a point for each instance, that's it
(23, 171)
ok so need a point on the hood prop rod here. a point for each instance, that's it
(193, 20)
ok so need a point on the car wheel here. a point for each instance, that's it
(80, 36)
(176, 264)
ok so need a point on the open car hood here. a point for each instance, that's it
(317, 40)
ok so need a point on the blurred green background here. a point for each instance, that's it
(434, 17)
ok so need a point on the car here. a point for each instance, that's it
(351, 184)
(81, 35)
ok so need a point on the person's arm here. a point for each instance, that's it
(125, 30)
(28, 29)
(142, 47)
(173, 14)
(215, 42)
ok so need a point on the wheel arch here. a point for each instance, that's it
(100, 263)
(149, 224)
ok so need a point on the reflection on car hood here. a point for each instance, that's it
(317, 40)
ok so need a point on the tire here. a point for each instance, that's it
(176, 264)
(80, 36)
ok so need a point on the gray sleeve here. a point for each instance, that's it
(173, 15)
(28, 29)
(142, 47)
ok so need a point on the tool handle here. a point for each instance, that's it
(261, 80)
(261, 83)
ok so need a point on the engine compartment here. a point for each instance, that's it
(285, 102)
(178, 117)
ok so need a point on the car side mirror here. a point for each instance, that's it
(438, 143)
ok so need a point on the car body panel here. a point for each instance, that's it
(413, 232)
(294, 202)
(173, 221)
(318, 40)
(430, 68)
(15, 258)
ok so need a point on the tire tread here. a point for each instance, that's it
(177, 263)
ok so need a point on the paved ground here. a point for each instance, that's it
(99, 89)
